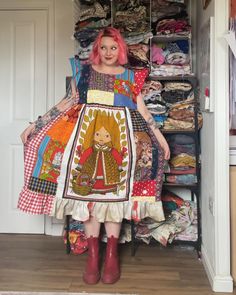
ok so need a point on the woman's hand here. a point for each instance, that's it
(24, 135)
(163, 143)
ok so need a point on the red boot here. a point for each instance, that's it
(92, 274)
(111, 272)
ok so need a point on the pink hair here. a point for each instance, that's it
(115, 34)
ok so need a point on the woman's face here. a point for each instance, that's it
(108, 51)
(101, 136)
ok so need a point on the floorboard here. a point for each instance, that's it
(40, 263)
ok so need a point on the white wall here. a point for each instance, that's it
(215, 159)
(64, 45)
(207, 155)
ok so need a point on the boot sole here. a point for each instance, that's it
(92, 280)
(110, 281)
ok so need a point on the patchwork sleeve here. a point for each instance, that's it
(139, 79)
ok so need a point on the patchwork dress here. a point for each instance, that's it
(97, 158)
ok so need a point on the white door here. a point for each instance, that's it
(23, 95)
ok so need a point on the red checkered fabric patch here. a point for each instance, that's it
(32, 202)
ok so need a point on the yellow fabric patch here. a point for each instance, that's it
(102, 97)
(144, 199)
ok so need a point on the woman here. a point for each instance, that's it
(103, 176)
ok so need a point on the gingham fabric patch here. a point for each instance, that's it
(139, 124)
(29, 201)
(42, 186)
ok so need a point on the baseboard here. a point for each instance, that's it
(219, 283)
(54, 227)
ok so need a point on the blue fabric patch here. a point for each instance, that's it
(154, 161)
(122, 100)
(41, 151)
(127, 75)
(83, 83)
(76, 68)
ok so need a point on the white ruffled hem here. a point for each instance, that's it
(107, 212)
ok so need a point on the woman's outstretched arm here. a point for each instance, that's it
(153, 125)
(68, 101)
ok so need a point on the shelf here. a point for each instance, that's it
(190, 78)
(180, 77)
(196, 244)
(184, 242)
(183, 131)
(179, 185)
(170, 38)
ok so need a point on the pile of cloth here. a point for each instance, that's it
(173, 26)
(181, 116)
(166, 70)
(77, 237)
(151, 93)
(138, 55)
(170, 18)
(170, 58)
(172, 104)
(131, 18)
(180, 223)
(182, 164)
(179, 97)
(91, 16)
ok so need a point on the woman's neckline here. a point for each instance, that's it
(109, 74)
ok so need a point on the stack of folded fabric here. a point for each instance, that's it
(170, 58)
(181, 117)
(179, 97)
(156, 105)
(91, 16)
(182, 164)
(170, 19)
(172, 53)
(162, 9)
(176, 25)
(170, 70)
(131, 18)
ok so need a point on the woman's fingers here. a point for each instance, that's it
(24, 135)
(166, 150)
(167, 155)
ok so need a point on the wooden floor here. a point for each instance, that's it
(40, 263)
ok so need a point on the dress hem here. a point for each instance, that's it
(108, 211)
(36, 204)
